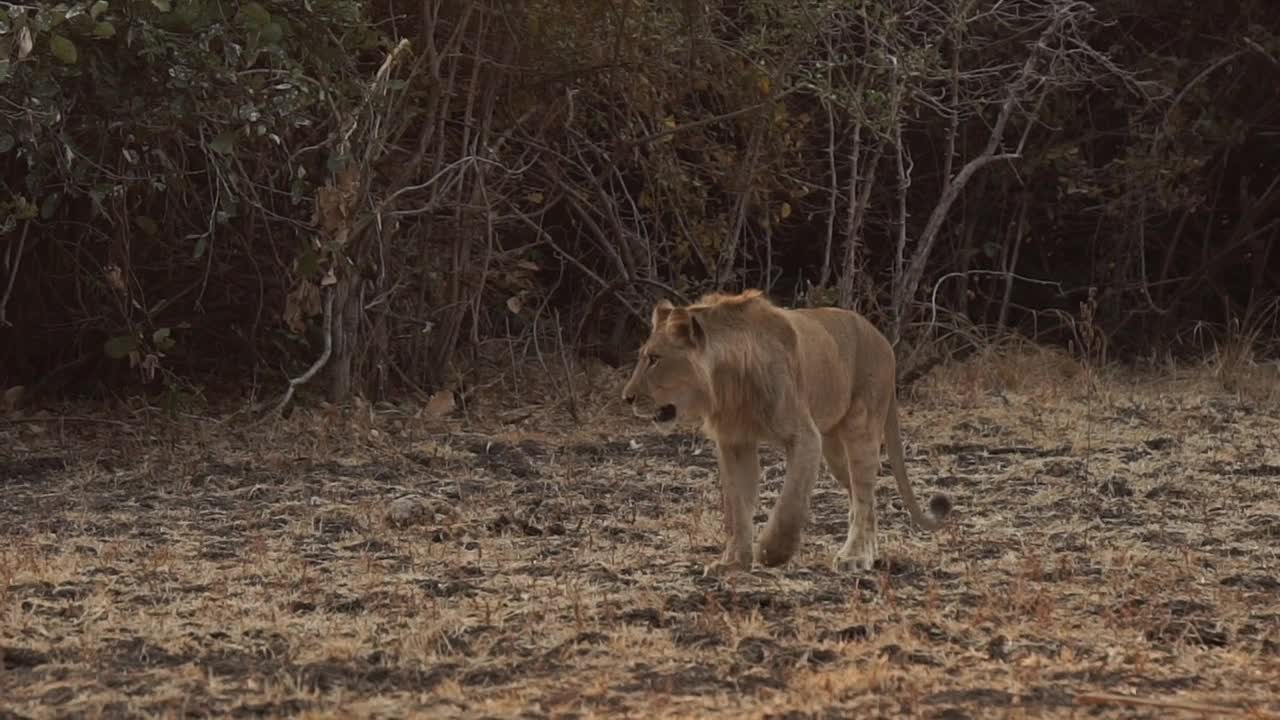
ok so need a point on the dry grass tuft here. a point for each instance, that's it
(1014, 366)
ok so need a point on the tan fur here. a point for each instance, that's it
(819, 382)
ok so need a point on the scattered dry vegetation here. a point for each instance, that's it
(1117, 540)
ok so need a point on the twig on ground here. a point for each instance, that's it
(1105, 698)
(65, 418)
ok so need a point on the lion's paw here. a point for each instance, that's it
(858, 556)
(720, 568)
(775, 548)
(839, 563)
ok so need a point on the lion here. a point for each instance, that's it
(819, 382)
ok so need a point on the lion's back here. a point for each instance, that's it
(843, 344)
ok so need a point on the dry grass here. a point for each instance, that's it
(1122, 540)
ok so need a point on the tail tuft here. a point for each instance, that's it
(940, 506)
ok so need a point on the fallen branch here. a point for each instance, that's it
(54, 419)
(316, 367)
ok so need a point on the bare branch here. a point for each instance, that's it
(1028, 80)
(13, 260)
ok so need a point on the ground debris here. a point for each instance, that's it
(1096, 551)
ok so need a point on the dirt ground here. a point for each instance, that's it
(1114, 552)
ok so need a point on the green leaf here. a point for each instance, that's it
(4, 71)
(272, 33)
(335, 162)
(98, 8)
(23, 209)
(201, 245)
(6, 143)
(50, 205)
(63, 49)
(308, 262)
(254, 16)
(224, 143)
(104, 30)
(163, 339)
(163, 6)
(120, 347)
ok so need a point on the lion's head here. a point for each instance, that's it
(670, 381)
(705, 359)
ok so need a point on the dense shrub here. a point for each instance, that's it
(205, 189)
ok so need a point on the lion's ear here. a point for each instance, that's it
(697, 332)
(688, 327)
(661, 311)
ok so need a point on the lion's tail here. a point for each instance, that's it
(939, 505)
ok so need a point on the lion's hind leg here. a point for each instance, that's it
(833, 451)
(861, 449)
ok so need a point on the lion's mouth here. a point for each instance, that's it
(665, 414)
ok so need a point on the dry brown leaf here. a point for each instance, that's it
(439, 405)
(335, 205)
(115, 278)
(301, 303)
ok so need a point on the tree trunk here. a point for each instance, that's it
(346, 326)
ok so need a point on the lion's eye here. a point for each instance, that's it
(653, 359)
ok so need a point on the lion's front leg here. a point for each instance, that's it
(739, 482)
(782, 533)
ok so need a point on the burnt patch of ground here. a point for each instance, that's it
(1126, 546)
